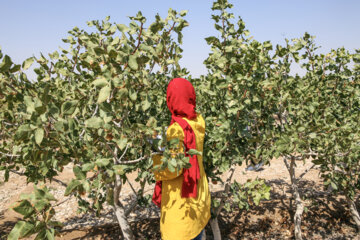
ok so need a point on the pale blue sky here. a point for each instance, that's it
(30, 27)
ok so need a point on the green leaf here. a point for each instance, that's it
(6, 64)
(102, 162)
(41, 235)
(104, 94)
(39, 193)
(71, 186)
(133, 63)
(39, 107)
(94, 122)
(173, 162)
(27, 63)
(317, 162)
(24, 208)
(174, 143)
(132, 94)
(99, 51)
(151, 122)
(30, 105)
(123, 28)
(21, 229)
(183, 13)
(79, 174)
(68, 108)
(119, 169)
(88, 166)
(22, 132)
(50, 234)
(334, 186)
(40, 205)
(301, 129)
(121, 143)
(15, 68)
(145, 104)
(86, 186)
(194, 152)
(59, 126)
(101, 82)
(312, 135)
(39, 135)
(122, 93)
(311, 108)
(156, 26)
(257, 153)
(171, 168)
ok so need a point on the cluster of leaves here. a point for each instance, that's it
(256, 109)
(174, 158)
(253, 191)
(37, 214)
(244, 195)
(336, 138)
(97, 104)
(93, 104)
(234, 96)
(238, 105)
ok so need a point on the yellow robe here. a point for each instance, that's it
(183, 218)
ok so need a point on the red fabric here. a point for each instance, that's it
(181, 101)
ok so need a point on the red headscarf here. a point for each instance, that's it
(181, 101)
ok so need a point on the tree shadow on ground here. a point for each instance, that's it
(145, 229)
(5, 228)
(325, 217)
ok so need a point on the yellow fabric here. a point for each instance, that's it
(183, 218)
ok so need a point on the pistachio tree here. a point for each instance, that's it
(256, 109)
(318, 114)
(294, 114)
(99, 104)
(238, 108)
(336, 142)
(95, 104)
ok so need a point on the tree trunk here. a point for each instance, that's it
(124, 224)
(214, 221)
(120, 212)
(296, 195)
(354, 212)
(298, 213)
(215, 228)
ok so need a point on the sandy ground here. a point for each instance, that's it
(325, 217)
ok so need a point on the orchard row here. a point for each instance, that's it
(98, 102)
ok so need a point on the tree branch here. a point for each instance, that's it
(53, 179)
(94, 113)
(10, 124)
(306, 171)
(226, 190)
(123, 154)
(139, 39)
(137, 46)
(133, 161)
(142, 184)
(10, 155)
(10, 86)
(68, 198)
